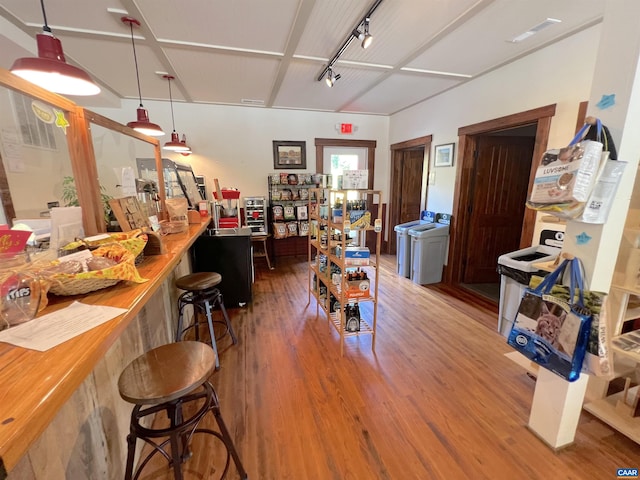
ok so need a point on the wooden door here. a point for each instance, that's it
(411, 185)
(500, 183)
(406, 188)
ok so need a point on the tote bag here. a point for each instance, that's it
(598, 359)
(552, 327)
(566, 177)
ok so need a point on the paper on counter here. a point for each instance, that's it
(55, 328)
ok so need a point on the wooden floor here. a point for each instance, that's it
(436, 400)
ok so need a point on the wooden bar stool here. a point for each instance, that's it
(173, 379)
(201, 292)
(262, 252)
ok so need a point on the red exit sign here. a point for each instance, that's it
(346, 128)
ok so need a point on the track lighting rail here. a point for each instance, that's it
(353, 34)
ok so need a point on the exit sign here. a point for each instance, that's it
(346, 128)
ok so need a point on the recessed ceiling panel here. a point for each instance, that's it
(248, 24)
(477, 46)
(328, 25)
(300, 86)
(397, 92)
(398, 28)
(223, 78)
(77, 14)
(113, 61)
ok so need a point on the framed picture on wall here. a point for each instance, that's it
(443, 155)
(289, 155)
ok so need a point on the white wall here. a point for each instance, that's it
(560, 74)
(234, 144)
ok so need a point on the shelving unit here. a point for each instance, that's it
(288, 211)
(623, 306)
(255, 215)
(344, 247)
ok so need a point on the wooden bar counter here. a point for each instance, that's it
(61, 416)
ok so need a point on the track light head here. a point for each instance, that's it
(331, 77)
(366, 37)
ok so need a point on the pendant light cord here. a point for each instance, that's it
(45, 27)
(135, 60)
(173, 122)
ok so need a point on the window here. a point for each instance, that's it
(345, 158)
(35, 133)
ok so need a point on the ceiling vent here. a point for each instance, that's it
(535, 29)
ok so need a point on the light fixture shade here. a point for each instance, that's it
(331, 77)
(184, 142)
(175, 145)
(143, 125)
(49, 70)
(367, 40)
(366, 37)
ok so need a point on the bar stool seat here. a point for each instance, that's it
(201, 292)
(199, 281)
(167, 379)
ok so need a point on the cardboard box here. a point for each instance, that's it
(357, 288)
(356, 256)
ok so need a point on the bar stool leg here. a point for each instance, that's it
(181, 307)
(131, 452)
(176, 451)
(266, 253)
(220, 302)
(207, 306)
(226, 437)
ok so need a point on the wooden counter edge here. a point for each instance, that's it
(18, 434)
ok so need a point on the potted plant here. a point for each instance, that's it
(70, 197)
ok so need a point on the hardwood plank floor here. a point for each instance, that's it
(436, 400)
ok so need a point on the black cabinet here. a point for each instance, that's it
(230, 256)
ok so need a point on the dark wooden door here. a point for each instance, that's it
(406, 188)
(411, 184)
(500, 183)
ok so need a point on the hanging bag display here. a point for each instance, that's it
(566, 177)
(598, 358)
(552, 326)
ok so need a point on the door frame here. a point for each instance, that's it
(396, 183)
(370, 145)
(464, 180)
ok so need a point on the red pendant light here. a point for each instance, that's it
(174, 145)
(142, 123)
(184, 141)
(50, 69)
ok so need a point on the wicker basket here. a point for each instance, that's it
(66, 286)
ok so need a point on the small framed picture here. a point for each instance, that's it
(289, 155)
(443, 156)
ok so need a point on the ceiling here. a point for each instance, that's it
(270, 53)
